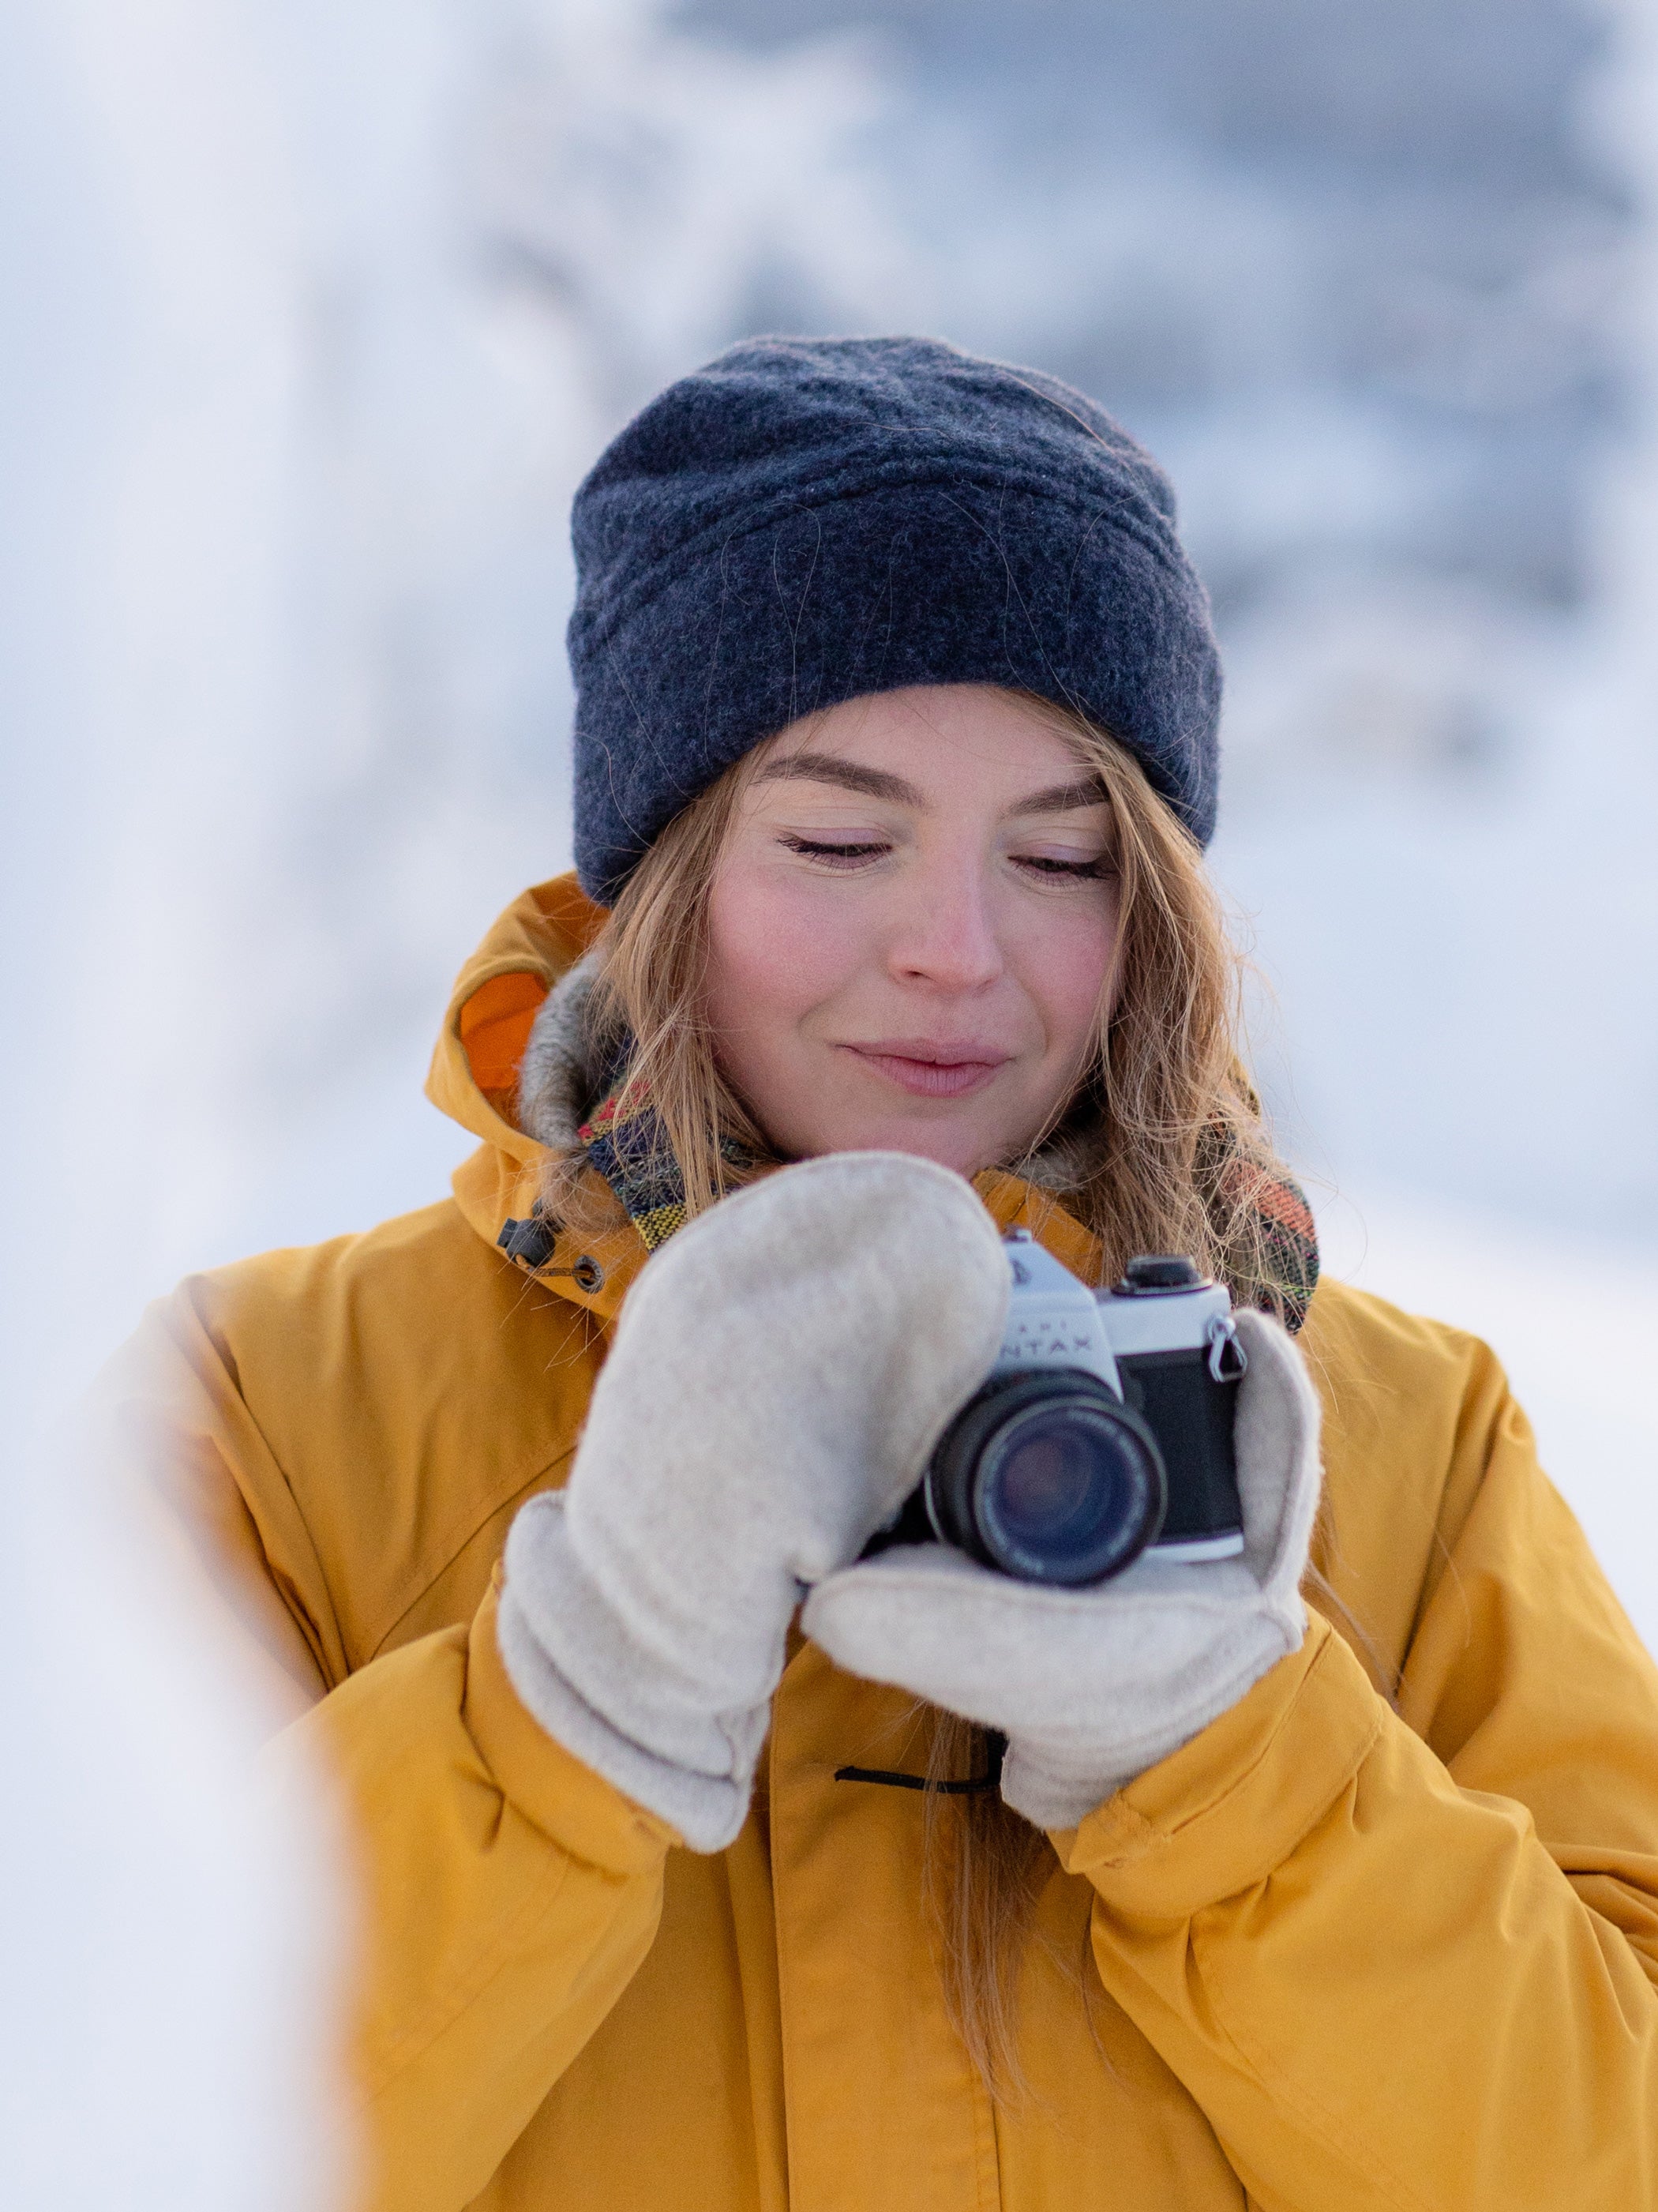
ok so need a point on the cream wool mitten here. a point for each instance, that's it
(779, 1373)
(1092, 1687)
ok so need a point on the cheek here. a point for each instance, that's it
(776, 950)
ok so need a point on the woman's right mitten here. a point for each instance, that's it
(779, 1374)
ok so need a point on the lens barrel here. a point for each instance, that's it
(1048, 1476)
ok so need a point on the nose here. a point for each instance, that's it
(945, 936)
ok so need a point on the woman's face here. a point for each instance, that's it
(913, 929)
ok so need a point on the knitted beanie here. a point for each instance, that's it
(808, 520)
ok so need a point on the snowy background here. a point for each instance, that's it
(316, 315)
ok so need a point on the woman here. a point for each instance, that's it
(1326, 1877)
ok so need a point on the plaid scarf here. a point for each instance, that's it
(625, 1141)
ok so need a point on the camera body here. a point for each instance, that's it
(1104, 1426)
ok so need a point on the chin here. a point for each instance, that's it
(964, 1152)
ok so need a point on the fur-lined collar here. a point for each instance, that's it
(560, 1079)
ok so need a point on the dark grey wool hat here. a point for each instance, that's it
(806, 520)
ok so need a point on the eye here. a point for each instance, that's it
(1042, 865)
(830, 854)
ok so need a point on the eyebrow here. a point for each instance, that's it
(877, 783)
(825, 768)
(1062, 798)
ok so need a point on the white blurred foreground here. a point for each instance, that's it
(1574, 1324)
(168, 2023)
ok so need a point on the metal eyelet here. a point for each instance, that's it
(587, 1274)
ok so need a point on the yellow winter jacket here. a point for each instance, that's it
(1386, 1934)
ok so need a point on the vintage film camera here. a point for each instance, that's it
(1104, 1426)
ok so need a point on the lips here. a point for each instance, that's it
(930, 1070)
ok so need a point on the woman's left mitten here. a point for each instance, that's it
(1092, 1687)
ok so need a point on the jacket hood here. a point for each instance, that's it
(474, 1074)
(474, 1078)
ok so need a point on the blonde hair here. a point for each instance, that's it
(1170, 1156)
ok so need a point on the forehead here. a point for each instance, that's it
(939, 740)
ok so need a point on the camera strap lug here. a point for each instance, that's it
(1227, 1359)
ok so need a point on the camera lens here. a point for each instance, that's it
(1046, 1481)
(1048, 1477)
